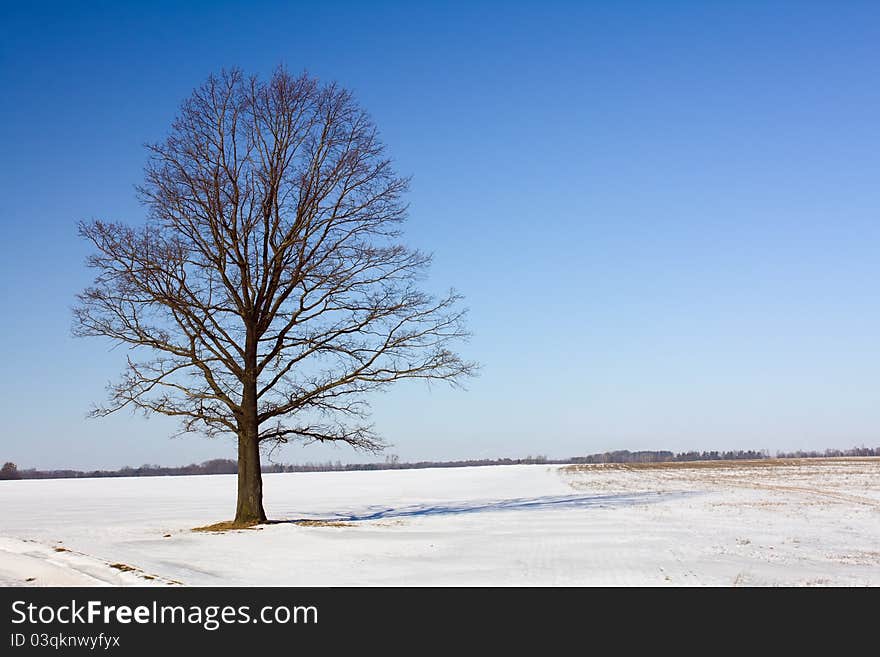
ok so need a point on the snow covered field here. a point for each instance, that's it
(812, 522)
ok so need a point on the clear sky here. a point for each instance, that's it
(665, 216)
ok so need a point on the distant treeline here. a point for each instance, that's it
(625, 456)
(228, 466)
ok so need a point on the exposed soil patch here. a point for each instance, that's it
(123, 567)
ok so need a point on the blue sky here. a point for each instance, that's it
(665, 216)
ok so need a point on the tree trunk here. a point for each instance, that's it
(249, 508)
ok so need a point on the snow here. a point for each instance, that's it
(814, 522)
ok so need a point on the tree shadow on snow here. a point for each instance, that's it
(520, 503)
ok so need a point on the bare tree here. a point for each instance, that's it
(268, 284)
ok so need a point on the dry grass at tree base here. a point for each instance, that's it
(323, 523)
(227, 525)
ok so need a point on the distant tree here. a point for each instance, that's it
(268, 284)
(9, 471)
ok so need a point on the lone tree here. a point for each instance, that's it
(267, 291)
